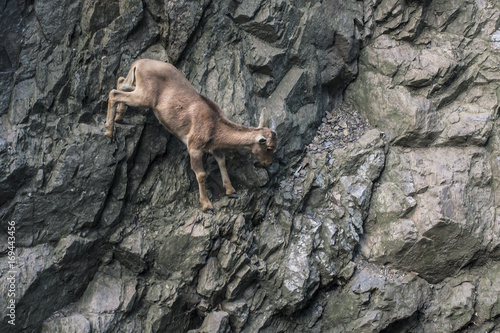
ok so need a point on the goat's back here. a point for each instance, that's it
(158, 76)
(176, 103)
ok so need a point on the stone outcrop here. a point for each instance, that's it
(395, 232)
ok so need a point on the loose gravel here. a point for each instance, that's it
(338, 128)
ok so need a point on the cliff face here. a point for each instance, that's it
(395, 232)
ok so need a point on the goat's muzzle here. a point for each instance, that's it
(263, 164)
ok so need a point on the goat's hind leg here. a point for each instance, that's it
(226, 182)
(127, 85)
(110, 117)
(133, 98)
(120, 107)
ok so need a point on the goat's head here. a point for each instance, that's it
(266, 141)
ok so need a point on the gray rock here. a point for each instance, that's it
(211, 280)
(74, 323)
(215, 322)
(111, 293)
(373, 299)
(488, 295)
(442, 184)
(453, 308)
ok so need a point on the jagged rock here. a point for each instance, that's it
(135, 250)
(373, 300)
(74, 323)
(63, 270)
(488, 292)
(111, 293)
(437, 84)
(215, 322)
(453, 308)
(238, 313)
(427, 198)
(211, 280)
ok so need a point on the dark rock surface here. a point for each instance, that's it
(378, 215)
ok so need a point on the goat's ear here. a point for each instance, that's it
(261, 140)
(263, 118)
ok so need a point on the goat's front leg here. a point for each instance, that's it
(201, 176)
(226, 182)
(110, 118)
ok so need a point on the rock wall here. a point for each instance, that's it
(396, 232)
(428, 77)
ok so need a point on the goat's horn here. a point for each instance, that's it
(262, 119)
(273, 124)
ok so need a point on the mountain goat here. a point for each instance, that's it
(193, 118)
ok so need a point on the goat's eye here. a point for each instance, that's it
(270, 149)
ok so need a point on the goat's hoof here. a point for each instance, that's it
(230, 191)
(210, 211)
(208, 208)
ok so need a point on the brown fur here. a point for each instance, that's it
(194, 119)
